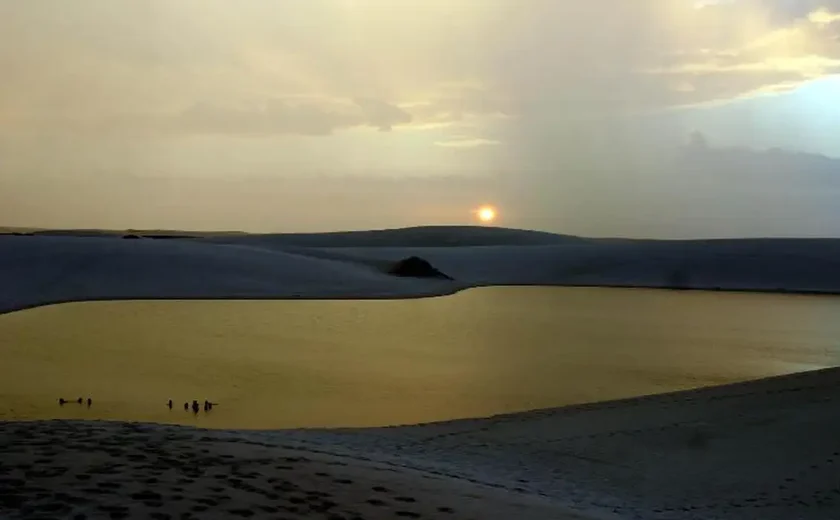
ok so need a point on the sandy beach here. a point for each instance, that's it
(768, 449)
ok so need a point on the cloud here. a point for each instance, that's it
(569, 111)
(699, 191)
(487, 58)
(382, 115)
(270, 117)
(466, 142)
(774, 59)
(273, 117)
(281, 116)
(823, 17)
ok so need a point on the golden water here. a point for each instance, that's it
(276, 364)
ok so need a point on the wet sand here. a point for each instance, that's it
(768, 449)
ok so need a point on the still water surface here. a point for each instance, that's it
(274, 364)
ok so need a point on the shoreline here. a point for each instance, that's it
(418, 296)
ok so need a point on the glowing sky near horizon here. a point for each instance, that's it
(344, 114)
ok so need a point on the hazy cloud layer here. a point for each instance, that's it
(568, 114)
(697, 191)
(117, 59)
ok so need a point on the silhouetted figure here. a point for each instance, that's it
(79, 400)
(89, 402)
(61, 401)
(186, 406)
(195, 406)
(206, 405)
(169, 404)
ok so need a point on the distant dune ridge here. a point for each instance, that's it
(52, 267)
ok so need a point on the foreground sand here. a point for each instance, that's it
(116, 470)
(762, 450)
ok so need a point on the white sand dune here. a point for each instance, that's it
(43, 269)
(760, 450)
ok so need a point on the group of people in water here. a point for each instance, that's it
(207, 405)
(195, 406)
(62, 401)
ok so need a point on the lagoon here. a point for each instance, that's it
(314, 363)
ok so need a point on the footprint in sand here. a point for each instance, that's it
(95, 491)
(144, 496)
(285, 487)
(322, 505)
(115, 512)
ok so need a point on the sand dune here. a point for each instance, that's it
(44, 269)
(766, 449)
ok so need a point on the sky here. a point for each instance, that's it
(643, 118)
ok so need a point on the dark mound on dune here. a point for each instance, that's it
(416, 267)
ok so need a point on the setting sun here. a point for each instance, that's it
(486, 214)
